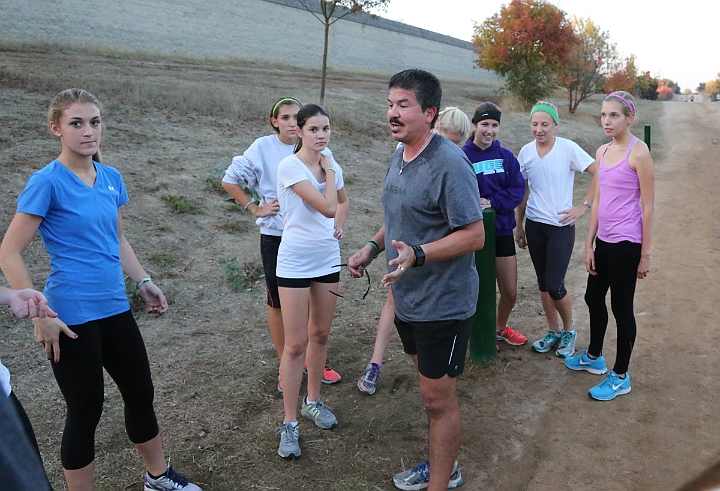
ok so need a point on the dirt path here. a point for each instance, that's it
(666, 430)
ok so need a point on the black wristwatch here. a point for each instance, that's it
(419, 256)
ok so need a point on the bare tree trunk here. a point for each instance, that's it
(324, 65)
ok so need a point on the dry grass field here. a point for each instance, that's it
(172, 125)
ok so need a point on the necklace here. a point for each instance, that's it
(425, 144)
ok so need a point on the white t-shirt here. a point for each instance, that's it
(257, 167)
(4, 379)
(551, 178)
(308, 248)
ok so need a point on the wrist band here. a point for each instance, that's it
(251, 202)
(330, 168)
(374, 246)
(142, 281)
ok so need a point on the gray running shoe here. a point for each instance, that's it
(289, 446)
(171, 481)
(419, 478)
(547, 343)
(567, 343)
(320, 413)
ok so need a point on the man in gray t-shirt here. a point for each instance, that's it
(433, 225)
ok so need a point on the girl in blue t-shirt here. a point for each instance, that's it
(74, 203)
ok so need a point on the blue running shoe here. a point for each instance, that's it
(611, 387)
(547, 343)
(584, 362)
(419, 478)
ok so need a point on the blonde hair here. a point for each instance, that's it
(625, 99)
(452, 120)
(65, 99)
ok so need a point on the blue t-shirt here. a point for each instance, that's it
(79, 230)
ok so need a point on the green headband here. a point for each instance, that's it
(546, 109)
(282, 101)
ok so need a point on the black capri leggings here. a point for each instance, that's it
(550, 250)
(116, 344)
(616, 266)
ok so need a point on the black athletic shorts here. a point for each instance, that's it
(305, 282)
(440, 346)
(269, 245)
(505, 246)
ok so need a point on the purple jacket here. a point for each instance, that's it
(499, 180)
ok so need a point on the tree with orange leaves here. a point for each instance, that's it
(623, 77)
(587, 63)
(527, 43)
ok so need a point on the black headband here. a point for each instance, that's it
(486, 115)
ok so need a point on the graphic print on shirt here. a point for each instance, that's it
(487, 167)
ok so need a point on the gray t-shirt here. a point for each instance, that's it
(435, 194)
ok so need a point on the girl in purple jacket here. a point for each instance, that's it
(502, 187)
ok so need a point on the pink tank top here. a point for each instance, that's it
(619, 214)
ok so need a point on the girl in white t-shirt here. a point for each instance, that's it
(311, 193)
(549, 164)
(257, 168)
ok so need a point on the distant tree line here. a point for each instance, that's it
(537, 48)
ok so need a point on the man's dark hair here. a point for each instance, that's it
(425, 85)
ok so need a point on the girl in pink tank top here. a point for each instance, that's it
(621, 231)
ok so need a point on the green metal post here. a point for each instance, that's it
(647, 135)
(482, 335)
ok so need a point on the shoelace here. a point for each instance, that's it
(549, 338)
(374, 372)
(566, 339)
(175, 477)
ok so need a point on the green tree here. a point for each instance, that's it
(623, 76)
(587, 63)
(701, 87)
(527, 43)
(647, 87)
(332, 11)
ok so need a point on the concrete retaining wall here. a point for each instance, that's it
(251, 29)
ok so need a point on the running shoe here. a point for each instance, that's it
(547, 343)
(280, 387)
(170, 481)
(584, 362)
(611, 387)
(330, 376)
(419, 478)
(567, 343)
(370, 378)
(511, 337)
(320, 413)
(289, 446)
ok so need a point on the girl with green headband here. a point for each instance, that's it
(257, 169)
(549, 164)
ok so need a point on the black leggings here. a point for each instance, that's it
(550, 250)
(616, 266)
(116, 344)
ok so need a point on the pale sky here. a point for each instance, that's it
(668, 40)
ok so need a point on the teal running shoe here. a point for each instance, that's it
(611, 387)
(583, 362)
(547, 343)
